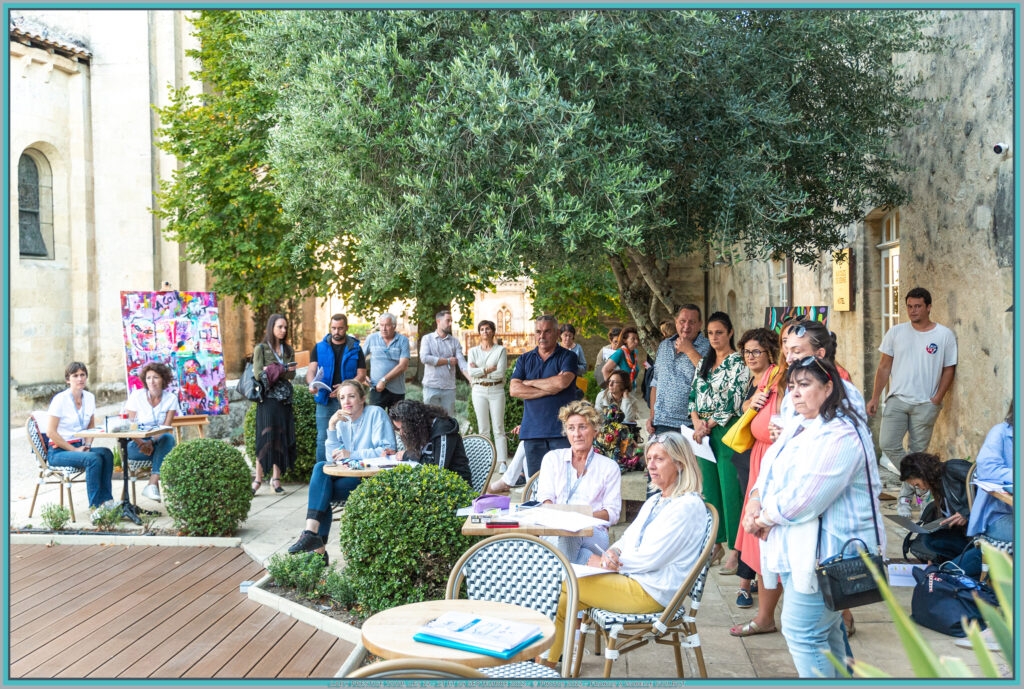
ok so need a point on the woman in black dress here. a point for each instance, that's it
(273, 365)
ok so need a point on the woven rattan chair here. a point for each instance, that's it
(65, 476)
(481, 455)
(675, 626)
(521, 570)
(415, 668)
(972, 489)
(530, 489)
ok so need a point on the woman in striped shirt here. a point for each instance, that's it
(815, 483)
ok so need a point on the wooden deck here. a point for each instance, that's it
(157, 612)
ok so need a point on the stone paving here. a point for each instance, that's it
(275, 521)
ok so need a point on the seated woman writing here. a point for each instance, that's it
(355, 431)
(578, 475)
(658, 550)
(430, 436)
(947, 482)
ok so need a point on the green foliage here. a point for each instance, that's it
(400, 535)
(304, 408)
(338, 588)
(206, 487)
(107, 518)
(220, 202)
(55, 517)
(147, 521)
(582, 292)
(302, 571)
(923, 660)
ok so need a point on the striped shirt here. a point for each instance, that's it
(817, 468)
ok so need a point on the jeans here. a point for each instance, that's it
(323, 490)
(162, 444)
(536, 448)
(441, 398)
(999, 529)
(324, 412)
(98, 463)
(901, 419)
(811, 629)
(489, 405)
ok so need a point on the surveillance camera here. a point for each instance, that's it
(1001, 148)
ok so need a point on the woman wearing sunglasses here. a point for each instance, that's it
(816, 485)
(716, 397)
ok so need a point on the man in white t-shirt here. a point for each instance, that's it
(918, 363)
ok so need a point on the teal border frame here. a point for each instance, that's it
(5, 369)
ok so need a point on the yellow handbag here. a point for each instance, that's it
(738, 437)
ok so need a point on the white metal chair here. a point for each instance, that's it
(522, 570)
(481, 455)
(415, 668)
(624, 632)
(65, 476)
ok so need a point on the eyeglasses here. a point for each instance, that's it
(807, 361)
(658, 438)
(753, 353)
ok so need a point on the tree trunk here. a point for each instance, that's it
(636, 296)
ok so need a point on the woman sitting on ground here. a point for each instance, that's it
(617, 437)
(150, 407)
(578, 475)
(355, 431)
(73, 410)
(947, 482)
(430, 436)
(658, 550)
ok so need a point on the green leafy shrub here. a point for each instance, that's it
(302, 571)
(55, 517)
(304, 408)
(400, 535)
(107, 518)
(338, 588)
(206, 487)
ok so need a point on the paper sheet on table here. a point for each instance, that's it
(386, 462)
(990, 487)
(558, 519)
(588, 571)
(701, 450)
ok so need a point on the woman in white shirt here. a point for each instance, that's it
(658, 550)
(487, 365)
(567, 336)
(150, 407)
(617, 393)
(71, 411)
(579, 476)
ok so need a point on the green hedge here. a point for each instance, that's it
(304, 408)
(206, 487)
(400, 535)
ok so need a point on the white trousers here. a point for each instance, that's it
(489, 405)
(515, 467)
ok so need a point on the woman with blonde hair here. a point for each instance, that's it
(658, 550)
(578, 475)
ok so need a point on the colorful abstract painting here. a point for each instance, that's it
(182, 330)
(775, 316)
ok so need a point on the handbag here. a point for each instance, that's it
(845, 582)
(248, 386)
(738, 437)
(944, 595)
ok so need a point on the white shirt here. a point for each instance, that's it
(600, 487)
(479, 360)
(70, 419)
(917, 360)
(627, 405)
(671, 544)
(146, 414)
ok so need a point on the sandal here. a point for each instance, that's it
(276, 483)
(256, 486)
(750, 629)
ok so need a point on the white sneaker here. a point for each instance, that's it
(151, 491)
(887, 464)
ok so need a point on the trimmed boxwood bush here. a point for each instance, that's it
(206, 487)
(304, 408)
(400, 535)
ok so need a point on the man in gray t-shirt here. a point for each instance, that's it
(388, 353)
(918, 362)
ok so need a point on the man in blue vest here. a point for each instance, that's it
(340, 358)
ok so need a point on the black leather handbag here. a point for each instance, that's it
(844, 580)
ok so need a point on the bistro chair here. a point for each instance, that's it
(65, 476)
(530, 489)
(972, 489)
(415, 668)
(481, 455)
(522, 570)
(675, 626)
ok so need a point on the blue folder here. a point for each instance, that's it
(438, 641)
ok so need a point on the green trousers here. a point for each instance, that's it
(722, 487)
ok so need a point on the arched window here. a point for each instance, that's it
(35, 206)
(504, 320)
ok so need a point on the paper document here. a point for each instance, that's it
(483, 632)
(558, 519)
(910, 525)
(990, 487)
(902, 573)
(318, 381)
(701, 450)
(588, 571)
